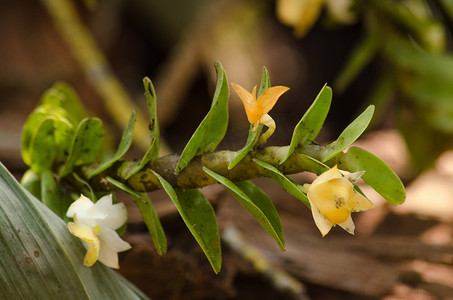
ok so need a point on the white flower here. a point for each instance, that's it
(332, 199)
(95, 224)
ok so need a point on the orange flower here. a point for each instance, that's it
(257, 109)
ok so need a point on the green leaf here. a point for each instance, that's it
(257, 203)
(42, 148)
(311, 123)
(31, 181)
(198, 215)
(149, 214)
(311, 164)
(63, 97)
(349, 135)
(377, 174)
(252, 139)
(85, 145)
(285, 182)
(253, 136)
(153, 149)
(125, 143)
(212, 129)
(53, 195)
(41, 259)
(265, 82)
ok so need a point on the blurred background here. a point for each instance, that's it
(394, 54)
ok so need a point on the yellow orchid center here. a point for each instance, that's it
(333, 198)
(256, 109)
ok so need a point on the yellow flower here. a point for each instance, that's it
(332, 198)
(95, 224)
(302, 14)
(257, 109)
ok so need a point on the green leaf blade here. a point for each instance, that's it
(149, 215)
(213, 127)
(199, 217)
(154, 132)
(351, 133)
(125, 143)
(257, 203)
(377, 174)
(285, 182)
(41, 259)
(85, 145)
(311, 123)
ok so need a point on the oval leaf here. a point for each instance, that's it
(378, 174)
(257, 203)
(198, 215)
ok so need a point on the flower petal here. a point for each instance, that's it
(358, 202)
(328, 175)
(111, 239)
(269, 97)
(250, 104)
(348, 225)
(323, 224)
(109, 257)
(80, 206)
(82, 231)
(353, 177)
(116, 216)
(111, 245)
(92, 254)
(332, 199)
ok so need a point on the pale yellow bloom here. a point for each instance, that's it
(302, 14)
(95, 224)
(257, 109)
(332, 198)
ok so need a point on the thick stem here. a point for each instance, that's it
(193, 175)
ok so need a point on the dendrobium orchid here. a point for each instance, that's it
(332, 198)
(302, 14)
(257, 109)
(95, 224)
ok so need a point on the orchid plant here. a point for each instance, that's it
(62, 145)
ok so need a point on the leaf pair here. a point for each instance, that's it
(256, 202)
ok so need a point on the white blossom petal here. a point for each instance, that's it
(80, 206)
(323, 224)
(110, 238)
(117, 216)
(348, 225)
